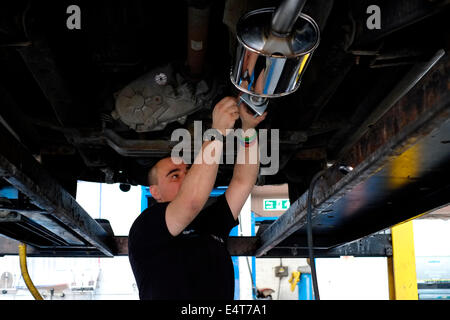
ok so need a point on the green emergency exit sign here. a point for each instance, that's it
(276, 204)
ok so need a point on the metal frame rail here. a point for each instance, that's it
(50, 217)
(401, 170)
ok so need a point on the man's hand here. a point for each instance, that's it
(225, 114)
(249, 121)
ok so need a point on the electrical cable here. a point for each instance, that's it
(279, 282)
(310, 235)
(254, 290)
(279, 287)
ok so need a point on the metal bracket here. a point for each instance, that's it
(257, 104)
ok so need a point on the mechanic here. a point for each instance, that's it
(178, 246)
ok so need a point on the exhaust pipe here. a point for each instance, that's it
(285, 16)
(198, 20)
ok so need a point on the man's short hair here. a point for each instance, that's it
(153, 173)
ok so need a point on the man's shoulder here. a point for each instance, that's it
(149, 215)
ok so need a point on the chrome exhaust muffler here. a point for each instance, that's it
(272, 54)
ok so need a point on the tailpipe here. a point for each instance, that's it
(285, 16)
(198, 25)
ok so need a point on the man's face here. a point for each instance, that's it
(169, 179)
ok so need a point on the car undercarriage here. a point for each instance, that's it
(99, 102)
(60, 86)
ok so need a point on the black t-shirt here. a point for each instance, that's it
(193, 265)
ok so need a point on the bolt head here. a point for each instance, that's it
(161, 79)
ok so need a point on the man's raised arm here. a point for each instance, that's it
(199, 181)
(246, 168)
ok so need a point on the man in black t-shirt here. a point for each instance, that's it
(178, 246)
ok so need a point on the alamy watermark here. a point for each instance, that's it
(374, 20)
(268, 148)
(74, 19)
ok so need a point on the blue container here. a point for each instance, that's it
(305, 290)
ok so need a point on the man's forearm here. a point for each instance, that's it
(244, 174)
(201, 177)
(247, 163)
(247, 160)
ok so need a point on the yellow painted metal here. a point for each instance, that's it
(402, 265)
(24, 270)
(390, 264)
(295, 278)
(405, 166)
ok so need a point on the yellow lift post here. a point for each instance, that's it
(402, 264)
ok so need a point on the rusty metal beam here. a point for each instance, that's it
(401, 169)
(378, 245)
(416, 73)
(9, 246)
(237, 246)
(21, 170)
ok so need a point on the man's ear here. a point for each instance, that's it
(154, 190)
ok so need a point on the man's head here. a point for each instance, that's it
(165, 178)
